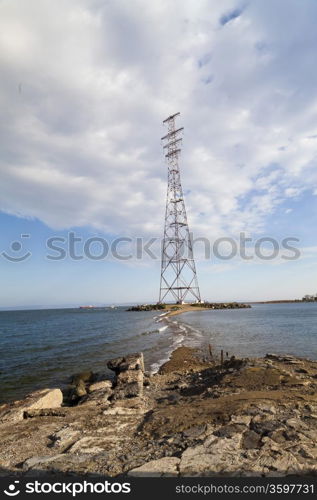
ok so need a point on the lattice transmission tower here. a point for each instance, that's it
(178, 271)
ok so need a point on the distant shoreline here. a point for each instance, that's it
(58, 308)
(294, 301)
(174, 309)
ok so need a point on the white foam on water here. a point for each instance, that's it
(154, 368)
(163, 328)
(178, 341)
(195, 331)
(160, 317)
(181, 334)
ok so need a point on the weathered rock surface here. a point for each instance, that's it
(80, 389)
(167, 466)
(130, 362)
(129, 372)
(195, 418)
(32, 462)
(45, 398)
(129, 384)
(86, 376)
(65, 437)
(102, 385)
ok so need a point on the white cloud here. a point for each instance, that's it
(86, 84)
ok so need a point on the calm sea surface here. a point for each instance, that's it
(43, 348)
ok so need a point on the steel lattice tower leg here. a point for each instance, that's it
(178, 271)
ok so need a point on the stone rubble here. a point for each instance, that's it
(194, 418)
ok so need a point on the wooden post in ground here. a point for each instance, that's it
(210, 351)
(221, 357)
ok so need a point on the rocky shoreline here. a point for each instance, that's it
(179, 308)
(196, 417)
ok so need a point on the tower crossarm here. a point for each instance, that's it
(171, 117)
(172, 134)
(174, 152)
(173, 143)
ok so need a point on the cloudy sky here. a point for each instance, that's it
(85, 85)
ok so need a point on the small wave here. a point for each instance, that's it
(158, 319)
(178, 340)
(163, 328)
(154, 368)
(191, 329)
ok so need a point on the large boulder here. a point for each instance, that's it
(45, 398)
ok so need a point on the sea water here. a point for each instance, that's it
(43, 348)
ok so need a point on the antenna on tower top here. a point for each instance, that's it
(178, 270)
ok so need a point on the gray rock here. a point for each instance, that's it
(276, 460)
(30, 463)
(89, 445)
(241, 419)
(129, 384)
(251, 440)
(46, 398)
(296, 424)
(290, 360)
(229, 430)
(103, 384)
(264, 427)
(213, 457)
(86, 376)
(97, 397)
(130, 362)
(80, 389)
(195, 431)
(64, 437)
(163, 467)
